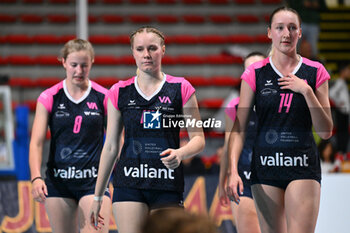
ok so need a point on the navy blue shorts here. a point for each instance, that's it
(61, 190)
(247, 191)
(153, 198)
(282, 184)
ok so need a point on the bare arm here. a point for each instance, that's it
(110, 151)
(196, 135)
(110, 154)
(37, 140)
(236, 140)
(224, 162)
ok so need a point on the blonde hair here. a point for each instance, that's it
(147, 29)
(76, 45)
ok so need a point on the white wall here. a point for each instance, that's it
(334, 215)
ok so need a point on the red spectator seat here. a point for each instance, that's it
(220, 19)
(214, 134)
(106, 60)
(271, 1)
(8, 1)
(224, 81)
(50, 60)
(247, 18)
(19, 39)
(198, 80)
(31, 18)
(6, 18)
(244, 1)
(92, 19)
(3, 61)
(167, 19)
(33, 1)
(30, 103)
(59, 18)
(139, 1)
(191, 2)
(194, 19)
(103, 39)
(46, 82)
(123, 39)
(21, 82)
(106, 81)
(20, 60)
(59, 1)
(168, 60)
(2, 39)
(140, 19)
(266, 18)
(66, 38)
(166, 1)
(219, 2)
(242, 39)
(185, 39)
(263, 38)
(109, 18)
(222, 59)
(212, 39)
(46, 39)
(112, 1)
(127, 60)
(189, 59)
(211, 103)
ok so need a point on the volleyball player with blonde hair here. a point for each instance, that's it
(75, 110)
(148, 173)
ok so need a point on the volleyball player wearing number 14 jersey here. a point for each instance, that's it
(291, 96)
(75, 111)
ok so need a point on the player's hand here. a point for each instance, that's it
(171, 158)
(293, 83)
(96, 219)
(39, 190)
(234, 183)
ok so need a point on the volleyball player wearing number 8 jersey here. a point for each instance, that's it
(75, 111)
(148, 173)
(291, 95)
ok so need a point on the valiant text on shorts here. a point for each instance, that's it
(145, 172)
(280, 160)
(72, 173)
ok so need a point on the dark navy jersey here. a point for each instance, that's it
(77, 131)
(285, 148)
(245, 158)
(148, 132)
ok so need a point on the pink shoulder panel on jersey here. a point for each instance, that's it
(102, 90)
(187, 89)
(46, 97)
(231, 108)
(249, 73)
(113, 93)
(322, 74)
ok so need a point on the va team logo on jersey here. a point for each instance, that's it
(152, 119)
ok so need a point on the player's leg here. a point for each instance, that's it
(84, 214)
(269, 203)
(245, 216)
(129, 215)
(62, 213)
(302, 201)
